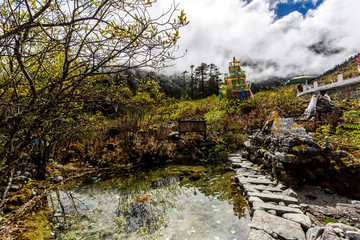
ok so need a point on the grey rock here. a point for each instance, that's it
(328, 191)
(279, 209)
(20, 178)
(290, 159)
(174, 136)
(332, 231)
(254, 199)
(355, 202)
(338, 205)
(289, 192)
(279, 165)
(314, 233)
(281, 186)
(259, 235)
(352, 235)
(272, 212)
(338, 231)
(14, 188)
(58, 179)
(258, 208)
(275, 225)
(282, 204)
(304, 205)
(299, 218)
(276, 198)
(294, 206)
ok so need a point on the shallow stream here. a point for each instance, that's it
(173, 202)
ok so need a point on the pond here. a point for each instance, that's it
(170, 203)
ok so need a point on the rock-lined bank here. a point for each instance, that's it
(283, 148)
(276, 211)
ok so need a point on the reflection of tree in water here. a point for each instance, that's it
(64, 214)
(93, 215)
(146, 213)
(136, 216)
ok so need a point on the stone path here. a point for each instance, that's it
(276, 212)
(275, 208)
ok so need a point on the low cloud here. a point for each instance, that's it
(292, 45)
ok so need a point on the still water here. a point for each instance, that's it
(169, 203)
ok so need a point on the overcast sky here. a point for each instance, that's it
(272, 37)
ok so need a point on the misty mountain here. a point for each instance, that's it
(269, 84)
(322, 48)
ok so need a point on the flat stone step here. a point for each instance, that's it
(259, 181)
(234, 155)
(259, 235)
(236, 159)
(299, 218)
(247, 172)
(280, 210)
(246, 164)
(236, 164)
(250, 187)
(271, 224)
(268, 197)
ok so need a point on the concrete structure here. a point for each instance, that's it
(349, 88)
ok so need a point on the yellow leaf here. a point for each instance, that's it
(4, 29)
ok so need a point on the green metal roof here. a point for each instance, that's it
(300, 79)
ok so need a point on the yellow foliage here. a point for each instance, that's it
(142, 198)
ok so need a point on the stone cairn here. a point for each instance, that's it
(283, 148)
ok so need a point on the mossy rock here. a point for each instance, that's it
(188, 170)
(172, 174)
(195, 176)
(20, 197)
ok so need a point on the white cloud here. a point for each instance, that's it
(219, 30)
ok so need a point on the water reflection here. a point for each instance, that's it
(160, 204)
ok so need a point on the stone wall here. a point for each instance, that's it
(296, 159)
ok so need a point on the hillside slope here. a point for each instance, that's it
(345, 68)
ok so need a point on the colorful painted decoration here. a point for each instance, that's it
(358, 65)
(235, 83)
